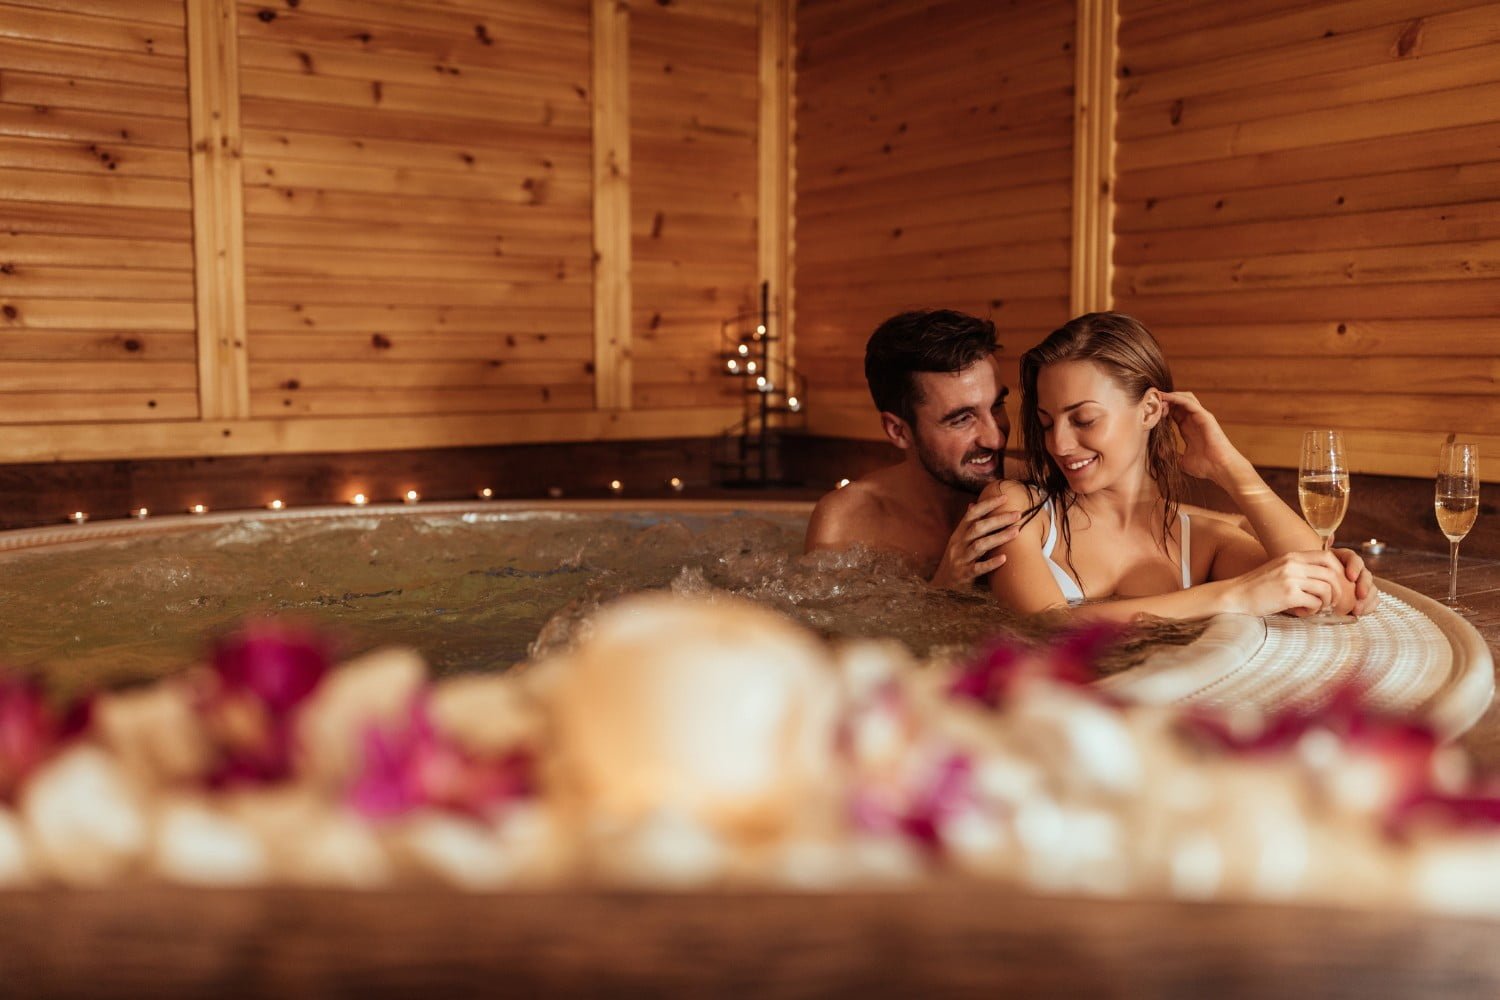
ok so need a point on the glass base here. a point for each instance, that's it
(1458, 608)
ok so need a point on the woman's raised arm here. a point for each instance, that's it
(1278, 530)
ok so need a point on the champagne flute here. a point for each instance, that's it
(1323, 491)
(1456, 501)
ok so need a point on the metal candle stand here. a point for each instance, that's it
(772, 389)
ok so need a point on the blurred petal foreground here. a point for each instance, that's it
(687, 742)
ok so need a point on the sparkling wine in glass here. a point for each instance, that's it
(1323, 491)
(1456, 501)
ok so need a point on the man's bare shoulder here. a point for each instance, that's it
(845, 516)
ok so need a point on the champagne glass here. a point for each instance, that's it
(1323, 491)
(1457, 503)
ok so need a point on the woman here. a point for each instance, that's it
(1104, 518)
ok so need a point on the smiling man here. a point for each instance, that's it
(934, 379)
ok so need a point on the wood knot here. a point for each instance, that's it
(265, 15)
(1409, 38)
(380, 341)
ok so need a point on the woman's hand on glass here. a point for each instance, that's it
(1208, 453)
(1366, 595)
(1300, 583)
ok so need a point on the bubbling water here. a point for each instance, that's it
(470, 593)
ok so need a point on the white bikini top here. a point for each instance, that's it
(1069, 586)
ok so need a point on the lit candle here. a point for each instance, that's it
(760, 329)
(412, 496)
(359, 500)
(733, 366)
(275, 505)
(793, 403)
(486, 494)
(676, 484)
(78, 517)
(744, 350)
(750, 368)
(615, 486)
(197, 508)
(140, 513)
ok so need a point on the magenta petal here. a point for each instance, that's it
(415, 766)
(30, 731)
(278, 664)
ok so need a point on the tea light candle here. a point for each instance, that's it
(197, 508)
(78, 517)
(615, 486)
(486, 494)
(676, 484)
(275, 505)
(359, 500)
(1373, 546)
(412, 496)
(140, 513)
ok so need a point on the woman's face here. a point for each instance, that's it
(1094, 432)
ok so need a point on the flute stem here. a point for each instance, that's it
(1452, 572)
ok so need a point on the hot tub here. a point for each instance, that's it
(477, 587)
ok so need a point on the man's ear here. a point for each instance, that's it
(896, 429)
(1153, 407)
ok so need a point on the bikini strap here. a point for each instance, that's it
(1185, 546)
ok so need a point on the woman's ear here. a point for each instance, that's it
(1153, 407)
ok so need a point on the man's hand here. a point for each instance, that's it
(986, 526)
(1366, 597)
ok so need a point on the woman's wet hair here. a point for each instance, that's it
(926, 340)
(1125, 350)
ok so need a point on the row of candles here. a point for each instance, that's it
(616, 486)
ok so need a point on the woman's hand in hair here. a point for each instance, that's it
(987, 525)
(1209, 453)
(1301, 583)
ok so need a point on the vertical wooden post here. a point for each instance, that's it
(611, 123)
(1093, 155)
(774, 223)
(218, 210)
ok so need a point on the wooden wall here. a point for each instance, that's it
(934, 168)
(96, 229)
(694, 92)
(317, 225)
(417, 208)
(1308, 215)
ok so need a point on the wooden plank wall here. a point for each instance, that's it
(417, 226)
(96, 232)
(934, 168)
(417, 207)
(694, 116)
(1308, 215)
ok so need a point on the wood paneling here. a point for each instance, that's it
(96, 237)
(934, 169)
(694, 123)
(1308, 210)
(464, 133)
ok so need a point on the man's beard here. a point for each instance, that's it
(962, 478)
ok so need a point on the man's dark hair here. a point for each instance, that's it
(925, 340)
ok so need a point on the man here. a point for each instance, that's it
(934, 379)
